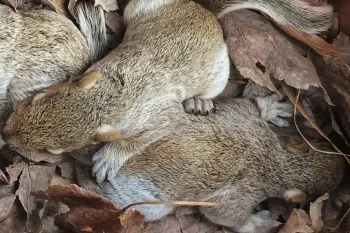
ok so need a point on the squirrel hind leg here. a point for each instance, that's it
(237, 210)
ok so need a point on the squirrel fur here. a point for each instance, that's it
(39, 48)
(231, 157)
(173, 50)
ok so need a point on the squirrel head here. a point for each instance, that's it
(62, 118)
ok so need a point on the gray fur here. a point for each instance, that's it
(173, 50)
(231, 157)
(298, 14)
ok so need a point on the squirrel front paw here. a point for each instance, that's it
(272, 110)
(198, 106)
(107, 162)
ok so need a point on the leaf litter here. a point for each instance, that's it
(261, 53)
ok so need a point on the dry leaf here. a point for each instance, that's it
(107, 5)
(316, 213)
(6, 205)
(334, 73)
(298, 222)
(3, 177)
(259, 52)
(90, 212)
(15, 221)
(14, 171)
(315, 42)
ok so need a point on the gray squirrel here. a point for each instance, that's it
(173, 50)
(231, 157)
(39, 48)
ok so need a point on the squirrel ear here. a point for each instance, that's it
(107, 133)
(89, 80)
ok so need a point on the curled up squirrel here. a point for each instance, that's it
(173, 50)
(232, 158)
(39, 48)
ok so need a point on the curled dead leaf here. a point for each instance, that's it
(260, 52)
(316, 213)
(298, 222)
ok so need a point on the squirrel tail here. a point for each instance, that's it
(91, 22)
(298, 14)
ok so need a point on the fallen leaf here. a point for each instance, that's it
(3, 177)
(24, 189)
(298, 222)
(334, 73)
(14, 171)
(6, 205)
(259, 51)
(15, 221)
(107, 5)
(316, 213)
(317, 43)
(90, 212)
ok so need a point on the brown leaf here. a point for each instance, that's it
(6, 205)
(298, 222)
(72, 195)
(15, 221)
(14, 171)
(90, 212)
(316, 213)
(24, 189)
(33, 178)
(334, 73)
(107, 5)
(3, 177)
(315, 42)
(259, 52)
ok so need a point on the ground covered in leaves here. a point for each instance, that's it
(41, 197)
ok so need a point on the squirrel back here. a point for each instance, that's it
(231, 157)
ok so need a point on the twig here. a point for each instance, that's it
(294, 100)
(175, 203)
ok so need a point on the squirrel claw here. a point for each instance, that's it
(197, 106)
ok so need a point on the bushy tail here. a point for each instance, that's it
(294, 13)
(91, 22)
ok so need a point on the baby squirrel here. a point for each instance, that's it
(173, 50)
(231, 157)
(39, 48)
